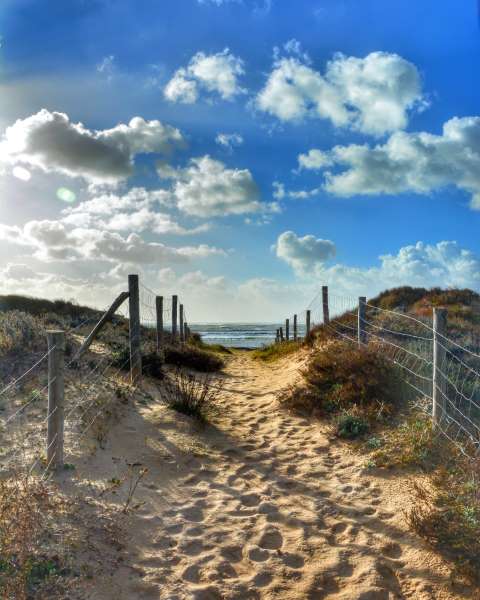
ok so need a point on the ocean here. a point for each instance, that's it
(240, 335)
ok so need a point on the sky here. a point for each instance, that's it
(239, 153)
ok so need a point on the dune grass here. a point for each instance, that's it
(273, 352)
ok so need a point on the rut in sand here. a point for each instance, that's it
(260, 504)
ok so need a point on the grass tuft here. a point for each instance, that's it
(275, 351)
(190, 394)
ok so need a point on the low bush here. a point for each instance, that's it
(20, 331)
(193, 358)
(190, 394)
(196, 341)
(152, 364)
(340, 376)
(25, 507)
(275, 351)
(351, 426)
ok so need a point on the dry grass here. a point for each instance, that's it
(190, 394)
(26, 506)
(20, 332)
(273, 352)
(446, 513)
(193, 358)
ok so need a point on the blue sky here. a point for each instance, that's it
(364, 87)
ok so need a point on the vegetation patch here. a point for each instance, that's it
(193, 358)
(275, 351)
(196, 341)
(19, 331)
(350, 425)
(26, 506)
(190, 394)
(340, 377)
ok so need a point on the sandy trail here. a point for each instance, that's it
(259, 505)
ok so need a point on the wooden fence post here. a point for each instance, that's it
(174, 317)
(307, 323)
(362, 333)
(439, 390)
(281, 334)
(287, 329)
(56, 396)
(326, 309)
(182, 331)
(186, 330)
(295, 332)
(134, 320)
(159, 311)
(277, 336)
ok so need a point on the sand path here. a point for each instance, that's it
(259, 505)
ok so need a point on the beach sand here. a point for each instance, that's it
(260, 504)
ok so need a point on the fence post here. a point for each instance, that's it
(295, 334)
(134, 320)
(326, 310)
(174, 317)
(186, 330)
(159, 309)
(181, 324)
(362, 334)
(277, 336)
(287, 329)
(307, 324)
(56, 395)
(439, 388)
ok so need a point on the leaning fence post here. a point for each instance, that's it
(287, 329)
(182, 332)
(134, 320)
(159, 310)
(295, 334)
(362, 334)
(174, 317)
(56, 395)
(326, 310)
(439, 387)
(307, 324)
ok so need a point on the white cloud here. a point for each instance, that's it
(279, 192)
(372, 94)
(107, 67)
(207, 188)
(51, 142)
(303, 254)
(415, 162)
(218, 73)
(229, 140)
(314, 159)
(56, 241)
(136, 211)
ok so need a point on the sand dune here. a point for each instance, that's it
(259, 505)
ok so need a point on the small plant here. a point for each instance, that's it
(134, 479)
(351, 426)
(374, 442)
(190, 394)
(121, 358)
(193, 358)
(152, 364)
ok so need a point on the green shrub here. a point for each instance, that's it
(193, 358)
(340, 376)
(351, 426)
(152, 364)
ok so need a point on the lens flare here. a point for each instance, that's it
(66, 195)
(21, 173)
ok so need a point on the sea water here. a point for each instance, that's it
(241, 335)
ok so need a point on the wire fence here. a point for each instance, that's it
(446, 388)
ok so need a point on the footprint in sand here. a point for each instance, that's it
(271, 539)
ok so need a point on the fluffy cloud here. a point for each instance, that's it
(56, 241)
(444, 264)
(304, 254)
(279, 192)
(314, 159)
(372, 94)
(207, 188)
(136, 211)
(51, 142)
(229, 140)
(217, 73)
(415, 162)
